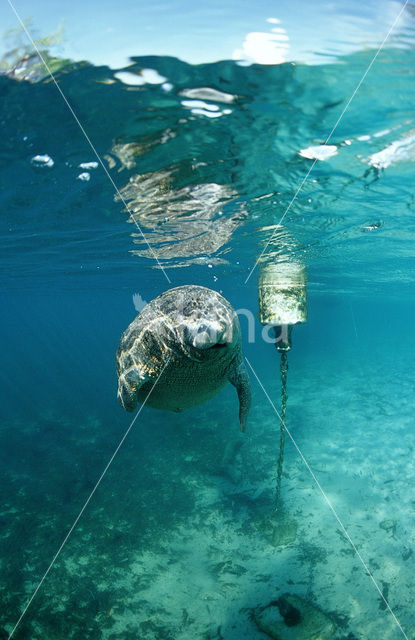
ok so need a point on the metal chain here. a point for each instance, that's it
(284, 396)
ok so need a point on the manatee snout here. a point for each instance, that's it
(204, 335)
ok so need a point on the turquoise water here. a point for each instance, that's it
(181, 539)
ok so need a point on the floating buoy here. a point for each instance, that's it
(282, 300)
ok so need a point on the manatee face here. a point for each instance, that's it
(204, 338)
(207, 335)
(204, 322)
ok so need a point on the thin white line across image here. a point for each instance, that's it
(323, 493)
(101, 162)
(328, 138)
(55, 557)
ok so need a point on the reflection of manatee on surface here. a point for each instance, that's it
(188, 340)
(182, 223)
(123, 155)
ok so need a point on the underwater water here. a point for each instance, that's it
(181, 539)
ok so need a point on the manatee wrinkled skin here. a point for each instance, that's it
(189, 339)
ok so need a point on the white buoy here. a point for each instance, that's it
(282, 299)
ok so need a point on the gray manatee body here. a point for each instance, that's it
(191, 336)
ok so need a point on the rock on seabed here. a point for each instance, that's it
(292, 618)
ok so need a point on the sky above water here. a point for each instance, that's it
(266, 32)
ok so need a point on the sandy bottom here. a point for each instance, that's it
(182, 540)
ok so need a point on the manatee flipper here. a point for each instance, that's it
(238, 376)
(129, 383)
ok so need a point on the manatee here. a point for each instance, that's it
(189, 336)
